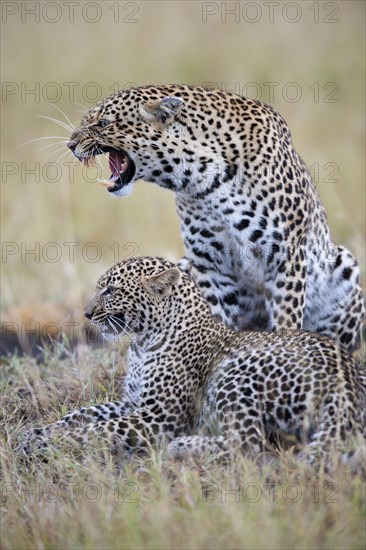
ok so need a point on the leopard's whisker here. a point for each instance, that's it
(41, 138)
(111, 325)
(62, 149)
(104, 171)
(116, 337)
(64, 114)
(56, 121)
(84, 107)
(112, 320)
(61, 156)
(118, 323)
(51, 145)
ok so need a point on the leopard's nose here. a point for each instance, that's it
(71, 144)
(88, 314)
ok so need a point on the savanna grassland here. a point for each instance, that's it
(61, 230)
(90, 502)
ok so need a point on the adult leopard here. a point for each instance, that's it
(254, 228)
(205, 389)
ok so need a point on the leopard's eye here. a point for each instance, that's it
(111, 289)
(104, 122)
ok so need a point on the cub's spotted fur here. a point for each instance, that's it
(255, 230)
(206, 389)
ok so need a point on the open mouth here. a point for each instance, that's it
(122, 168)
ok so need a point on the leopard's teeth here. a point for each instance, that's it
(107, 183)
(90, 162)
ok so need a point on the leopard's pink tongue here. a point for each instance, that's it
(115, 163)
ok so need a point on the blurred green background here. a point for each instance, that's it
(307, 59)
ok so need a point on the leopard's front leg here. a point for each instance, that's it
(286, 288)
(93, 414)
(38, 437)
(136, 431)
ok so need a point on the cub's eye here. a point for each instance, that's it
(111, 289)
(104, 122)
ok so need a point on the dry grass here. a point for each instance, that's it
(154, 503)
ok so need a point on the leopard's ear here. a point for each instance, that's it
(161, 285)
(163, 111)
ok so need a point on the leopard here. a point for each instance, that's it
(254, 228)
(197, 388)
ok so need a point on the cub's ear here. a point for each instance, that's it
(161, 285)
(163, 111)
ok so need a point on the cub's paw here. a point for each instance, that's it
(33, 443)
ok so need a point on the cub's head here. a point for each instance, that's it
(132, 297)
(140, 129)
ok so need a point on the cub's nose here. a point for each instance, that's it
(89, 309)
(71, 144)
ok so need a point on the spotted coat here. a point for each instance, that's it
(254, 228)
(204, 388)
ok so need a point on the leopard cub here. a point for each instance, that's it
(203, 388)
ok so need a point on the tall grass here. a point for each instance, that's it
(154, 503)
